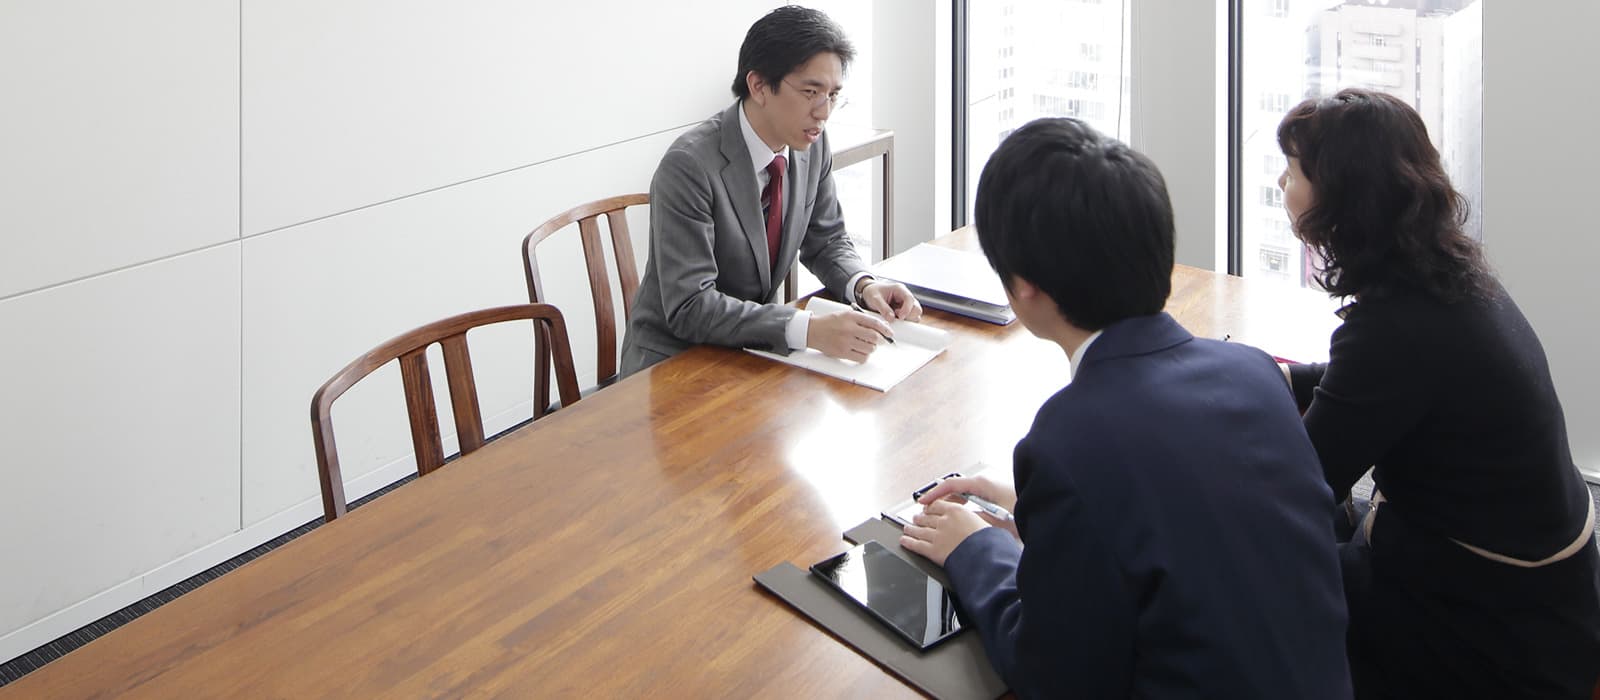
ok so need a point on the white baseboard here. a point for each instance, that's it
(117, 597)
(67, 620)
(63, 622)
(1592, 477)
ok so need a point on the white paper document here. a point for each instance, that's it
(950, 280)
(914, 345)
(948, 270)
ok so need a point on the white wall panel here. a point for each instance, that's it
(119, 134)
(1538, 183)
(352, 103)
(119, 412)
(1178, 119)
(318, 295)
(911, 95)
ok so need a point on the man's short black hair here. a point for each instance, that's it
(787, 37)
(1083, 217)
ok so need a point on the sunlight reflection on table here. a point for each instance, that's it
(837, 454)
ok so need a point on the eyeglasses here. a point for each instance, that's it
(835, 101)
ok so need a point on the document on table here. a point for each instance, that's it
(950, 280)
(914, 345)
(901, 513)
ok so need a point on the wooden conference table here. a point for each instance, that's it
(607, 551)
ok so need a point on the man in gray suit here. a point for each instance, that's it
(738, 196)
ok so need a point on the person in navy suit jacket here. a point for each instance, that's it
(1177, 526)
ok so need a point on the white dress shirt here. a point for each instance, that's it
(761, 156)
(1076, 357)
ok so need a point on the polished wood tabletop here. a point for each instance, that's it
(607, 550)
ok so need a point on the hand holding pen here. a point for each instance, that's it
(857, 308)
(999, 513)
(996, 500)
(846, 335)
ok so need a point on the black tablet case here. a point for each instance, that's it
(956, 668)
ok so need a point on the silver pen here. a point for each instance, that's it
(857, 308)
(999, 513)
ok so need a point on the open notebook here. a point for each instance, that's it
(915, 344)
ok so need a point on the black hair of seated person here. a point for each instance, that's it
(1081, 216)
(1384, 215)
(782, 40)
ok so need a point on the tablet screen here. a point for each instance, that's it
(894, 591)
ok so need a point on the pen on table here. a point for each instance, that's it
(857, 308)
(989, 507)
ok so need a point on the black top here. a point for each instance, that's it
(1454, 406)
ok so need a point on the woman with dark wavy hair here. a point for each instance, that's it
(1473, 571)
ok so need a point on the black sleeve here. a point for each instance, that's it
(1373, 391)
(1303, 379)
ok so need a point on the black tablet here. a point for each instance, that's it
(895, 591)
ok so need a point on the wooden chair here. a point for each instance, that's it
(410, 349)
(586, 216)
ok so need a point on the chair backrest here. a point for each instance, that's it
(586, 216)
(411, 350)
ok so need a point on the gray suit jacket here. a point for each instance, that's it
(707, 279)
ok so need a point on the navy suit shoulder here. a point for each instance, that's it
(1178, 532)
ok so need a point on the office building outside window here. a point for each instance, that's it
(1042, 58)
(1426, 52)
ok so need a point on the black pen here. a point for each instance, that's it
(857, 308)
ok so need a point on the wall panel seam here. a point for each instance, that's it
(470, 180)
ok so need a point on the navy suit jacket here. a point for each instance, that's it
(1179, 534)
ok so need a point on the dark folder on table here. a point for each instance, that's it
(958, 668)
(950, 280)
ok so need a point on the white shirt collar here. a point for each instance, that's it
(760, 153)
(1076, 358)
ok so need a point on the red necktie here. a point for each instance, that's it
(772, 199)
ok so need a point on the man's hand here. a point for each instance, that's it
(892, 300)
(847, 335)
(939, 529)
(1000, 494)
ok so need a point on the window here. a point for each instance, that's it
(1274, 164)
(1275, 263)
(1430, 57)
(1083, 80)
(1276, 102)
(1066, 58)
(1086, 110)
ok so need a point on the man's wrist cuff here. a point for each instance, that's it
(861, 286)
